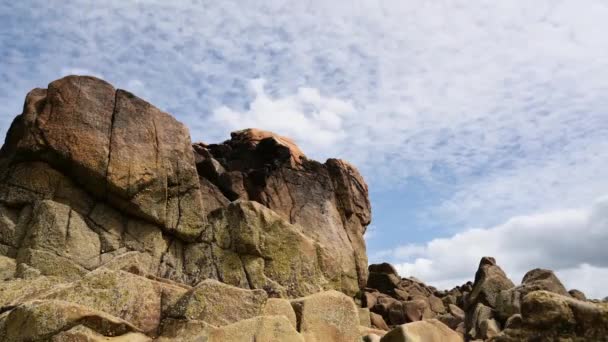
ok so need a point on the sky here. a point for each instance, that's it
(481, 126)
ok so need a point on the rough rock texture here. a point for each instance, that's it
(328, 201)
(327, 316)
(89, 173)
(106, 204)
(548, 316)
(428, 331)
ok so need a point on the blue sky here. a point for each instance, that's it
(480, 126)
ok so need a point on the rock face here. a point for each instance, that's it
(105, 203)
(328, 201)
(90, 173)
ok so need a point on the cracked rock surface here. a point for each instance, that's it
(111, 217)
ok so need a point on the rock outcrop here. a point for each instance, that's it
(90, 173)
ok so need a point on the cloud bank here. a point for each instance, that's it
(571, 242)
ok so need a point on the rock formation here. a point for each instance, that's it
(114, 227)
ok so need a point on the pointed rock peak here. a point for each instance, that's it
(487, 261)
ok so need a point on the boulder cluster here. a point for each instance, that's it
(115, 227)
(491, 308)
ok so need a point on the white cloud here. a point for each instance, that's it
(309, 118)
(571, 242)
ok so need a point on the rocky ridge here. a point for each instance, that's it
(115, 227)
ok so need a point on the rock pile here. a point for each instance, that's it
(114, 227)
(491, 308)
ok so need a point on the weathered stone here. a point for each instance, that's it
(82, 333)
(57, 229)
(184, 330)
(371, 338)
(456, 311)
(50, 264)
(219, 304)
(508, 302)
(8, 267)
(261, 328)
(436, 304)
(281, 307)
(383, 268)
(367, 331)
(414, 309)
(550, 316)
(488, 328)
(428, 331)
(450, 320)
(133, 298)
(262, 167)
(116, 146)
(378, 322)
(278, 252)
(542, 279)
(327, 316)
(489, 281)
(364, 317)
(576, 294)
(16, 291)
(474, 320)
(46, 318)
(514, 322)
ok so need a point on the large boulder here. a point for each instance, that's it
(508, 302)
(261, 328)
(115, 145)
(490, 279)
(270, 253)
(327, 316)
(550, 316)
(219, 304)
(428, 331)
(130, 297)
(41, 320)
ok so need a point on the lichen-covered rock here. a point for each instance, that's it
(184, 330)
(269, 169)
(550, 316)
(268, 251)
(58, 230)
(219, 304)
(281, 307)
(130, 297)
(82, 333)
(8, 267)
(16, 291)
(40, 320)
(328, 316)
(261, 328)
